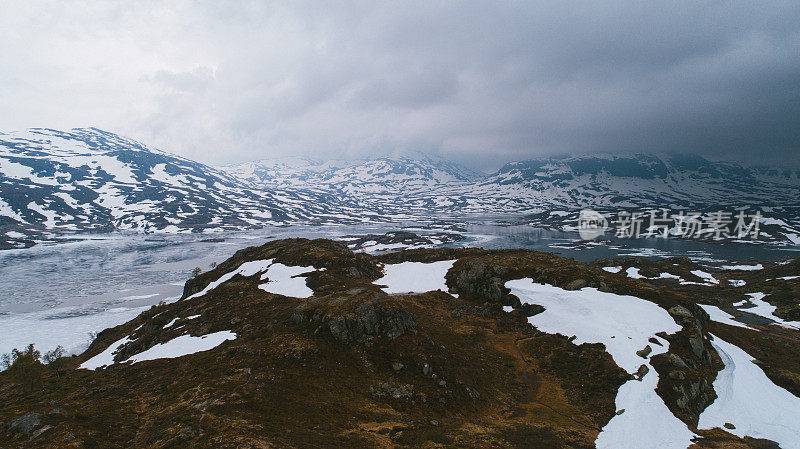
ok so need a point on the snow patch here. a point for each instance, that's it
(106, 357)
(767, 310)
(246, 269)
(784, 278)
(286, 280)
(743, 267)
(183, 345)
(415, 277)
(721, 316)
(750, 401)
(279, 278)
(633, 273)
(171, 322)
(708, 277)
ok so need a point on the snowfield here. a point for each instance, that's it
(747, 398)
(415, 277)
(623, 324)
(751, 402)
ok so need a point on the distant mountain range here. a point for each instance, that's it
(644, 181)
(54, 182)
(384, 175)
(638, 180)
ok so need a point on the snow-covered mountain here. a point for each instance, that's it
(426, 185)
(54, 182)
(604, 182)
(638, 181)
(284, 172)
(385, 175)
(91, 180)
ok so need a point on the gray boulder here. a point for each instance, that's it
(25, 424)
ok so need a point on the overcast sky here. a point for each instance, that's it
(478, 82)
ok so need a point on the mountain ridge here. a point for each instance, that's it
(89, 180)
(389, 173)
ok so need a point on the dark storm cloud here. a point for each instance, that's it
(480, 82)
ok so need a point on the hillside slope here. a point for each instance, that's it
(303, 343)
(83, 180)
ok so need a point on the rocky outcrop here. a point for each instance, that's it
(369, 319)
(577, 284)
(481, 280)
(25, 424)
(688, 369)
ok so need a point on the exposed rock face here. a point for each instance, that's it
(26, 424)
(372, 320)
(478, 279)
(688, 369)
(369, 319)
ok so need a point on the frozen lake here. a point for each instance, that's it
(57, 294)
